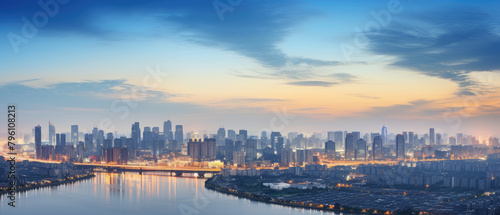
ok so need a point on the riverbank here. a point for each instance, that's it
(212, 185)
(58, 183)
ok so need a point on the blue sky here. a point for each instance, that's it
(333, 65)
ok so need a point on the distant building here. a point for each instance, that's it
(431, 136)
(251, 149)
(38, 142)
(384, 135)
(330, 149)
(221, 136)
(74, 135)
(349, 147)
(377, 148)
(136, 135)
(52, 134)
(360, 153)
(205, 150)
(179, 136)
(400, 146)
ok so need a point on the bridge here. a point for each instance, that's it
(177, 171)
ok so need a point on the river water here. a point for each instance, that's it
(134, 194)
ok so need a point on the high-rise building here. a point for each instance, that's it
(330, 135)
(74, 135)
(274, 139)
(264, 141)
(357, 135)
(431, 136)
(330, 149)
(167, 131)
(229, 143)
(136, 135)
(238, 158)
(52, 134)
(231, 134)
(349, 147)
(339, 140)
(147, 138)
(410, 137)
(460, 137)
(95, 135)
(205, 150)
(251, 149)
(377, 148)
(243, 135)
(400, 146)
(38, 142)
(405, 135)
(279, 145)
(438, 139)
(360, 152)
(221, 136)
(179, 136)
(384, 135)
(89, 142)
(453, 141)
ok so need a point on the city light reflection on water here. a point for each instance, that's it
(131, 193)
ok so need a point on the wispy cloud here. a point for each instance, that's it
(364, 96)
(448, 44)
(313, 83)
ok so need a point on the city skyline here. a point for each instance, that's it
(190, 62)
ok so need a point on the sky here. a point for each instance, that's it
(284, 66)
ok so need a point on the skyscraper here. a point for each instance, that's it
(431, 136)
(377, 148)
(405, 134)
(95, 136)
(360, 152)
(243, 135)
(384, 135)
(179, 136)
(167, 131)
(231, 134)
(330, 135)
(279, 145)
(349, 147)
(357, 135)
(410, 137)
(339, 140)
(221, 137)
(330, 149)
(136, 135)
(74, 135)
(38, 142)
(400, 146)
(251, 149)
(274, 139)
(52, 134)
(438, 139)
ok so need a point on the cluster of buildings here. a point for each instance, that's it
(238, 148)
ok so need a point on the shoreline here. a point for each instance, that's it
(314, 206)
(70, 181)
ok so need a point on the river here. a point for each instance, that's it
(134, 194)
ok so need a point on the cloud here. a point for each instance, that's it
(253, 100)
(313, 83)
(447, 44)
(364, 96)
(252, 28)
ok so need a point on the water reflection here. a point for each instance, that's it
(131, 193)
